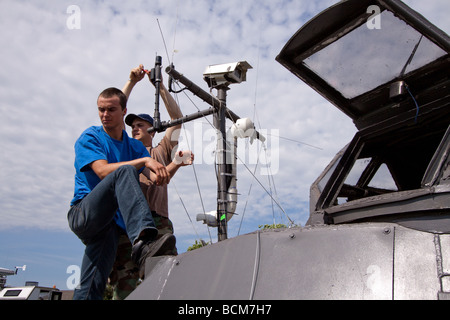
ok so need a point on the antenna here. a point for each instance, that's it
(155, 76)
(218, 77)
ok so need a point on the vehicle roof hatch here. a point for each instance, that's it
(372, 59)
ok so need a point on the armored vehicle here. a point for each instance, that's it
(379, 225)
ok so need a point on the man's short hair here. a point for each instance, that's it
(112, 92)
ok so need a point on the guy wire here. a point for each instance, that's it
(193, 166)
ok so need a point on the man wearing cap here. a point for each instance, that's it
(123, 277)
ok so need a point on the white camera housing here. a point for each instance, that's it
(225, 74)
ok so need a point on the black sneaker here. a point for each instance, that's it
(143, 250)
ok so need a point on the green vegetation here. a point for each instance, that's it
(272, 226)
(197, 244)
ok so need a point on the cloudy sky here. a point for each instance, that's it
(55, 59)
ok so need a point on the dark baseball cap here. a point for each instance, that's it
(143, 116)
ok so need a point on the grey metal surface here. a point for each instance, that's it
(359, 261)
(220, 271)
(345, 262)
(415, 270)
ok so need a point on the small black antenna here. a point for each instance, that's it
(156, 79)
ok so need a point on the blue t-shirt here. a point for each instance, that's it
(95, 144)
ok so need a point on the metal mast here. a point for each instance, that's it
(222, 172)
(234, 73)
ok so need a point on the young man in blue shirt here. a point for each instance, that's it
(108, 196)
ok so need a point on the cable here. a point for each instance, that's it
(196, 179)
(415, 101)
(248, 196)
(164, 41)
(193, 166)
(256, 265)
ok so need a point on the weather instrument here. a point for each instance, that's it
(218, 77)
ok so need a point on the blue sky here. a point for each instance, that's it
(51, 76)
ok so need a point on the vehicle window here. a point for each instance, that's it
(44, 295)
(12, 293)
(322, 183)
(357, 170)
(381, 181)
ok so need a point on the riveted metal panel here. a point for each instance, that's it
(328, 262)
(415, 270)
(358, 261)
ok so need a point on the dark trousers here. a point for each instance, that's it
(92, 220)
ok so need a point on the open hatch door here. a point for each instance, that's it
(354, 52)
